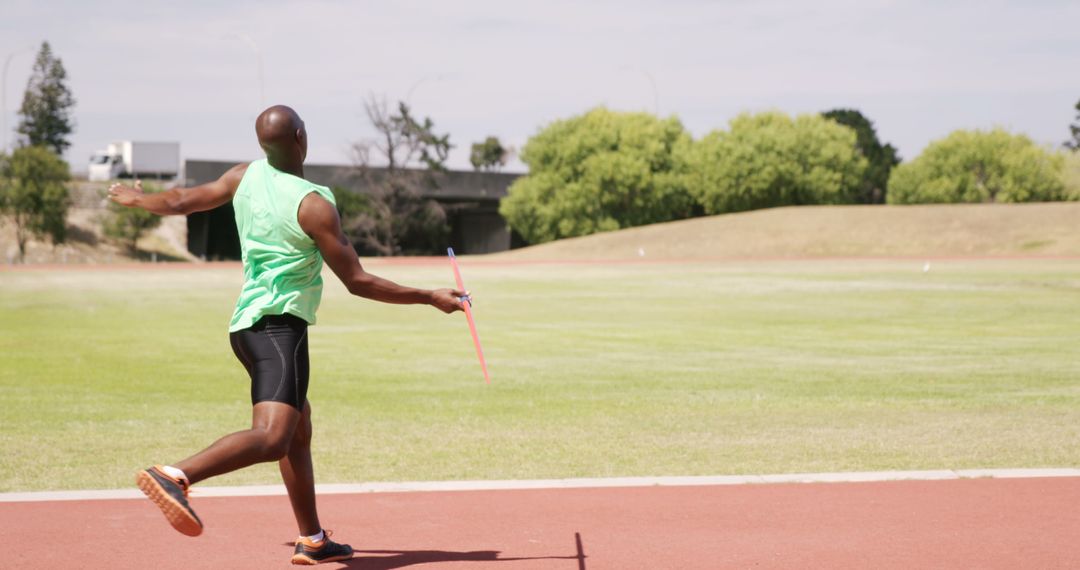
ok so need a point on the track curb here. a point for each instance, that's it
(580, 483)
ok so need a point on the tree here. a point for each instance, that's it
(979, 166)
(880, 158)
(489, 155)
(33, 194)
(46, 107)
(770, 159)
(394, 218)
(1074, 143)
(1071, 177)
(600, 171)
(127, 225)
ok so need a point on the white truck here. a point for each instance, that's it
(129, 159)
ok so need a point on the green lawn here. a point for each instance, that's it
(598, 370)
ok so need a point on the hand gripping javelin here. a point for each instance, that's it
(466, 303)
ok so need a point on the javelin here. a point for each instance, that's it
(466, 303)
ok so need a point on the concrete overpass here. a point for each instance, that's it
(475, 223)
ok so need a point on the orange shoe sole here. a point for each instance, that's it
(302, 560)
(177, 515)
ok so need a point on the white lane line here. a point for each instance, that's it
(420, 486)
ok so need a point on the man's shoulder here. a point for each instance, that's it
(316, 211)
(319, 190)
(241, 168)
(318, 197)
(236, 174)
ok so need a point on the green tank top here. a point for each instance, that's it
(282, 265)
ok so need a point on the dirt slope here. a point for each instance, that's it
(86, 242)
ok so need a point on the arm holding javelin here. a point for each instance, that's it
(319, 219)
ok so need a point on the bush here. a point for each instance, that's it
(600, 171)
(1071, 176)
(979, 166)
(770, 159)
(393, 215)
(126, 225)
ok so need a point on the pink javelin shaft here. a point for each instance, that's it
(466, 303)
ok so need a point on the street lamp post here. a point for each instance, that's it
(655, 92)
(438, 77)
(652, 83)
(3, 96)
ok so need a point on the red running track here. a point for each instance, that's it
(967, 523)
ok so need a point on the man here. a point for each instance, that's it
(287, 227)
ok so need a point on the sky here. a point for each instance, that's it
(190, 71)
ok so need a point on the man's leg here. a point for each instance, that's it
(274, 353)
(273, 425)
(299, 477)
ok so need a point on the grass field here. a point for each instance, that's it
(599, 370)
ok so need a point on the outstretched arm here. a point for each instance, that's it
(319, 219)
(181, 200)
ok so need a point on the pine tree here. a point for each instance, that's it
(1074, 143)
(882, 158)
(46, 107)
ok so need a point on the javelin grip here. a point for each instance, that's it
(466, 304)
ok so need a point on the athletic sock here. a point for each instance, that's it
(174, 472)
(317, 537)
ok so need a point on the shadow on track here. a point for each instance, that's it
(390, 559)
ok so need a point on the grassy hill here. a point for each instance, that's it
(839, 231)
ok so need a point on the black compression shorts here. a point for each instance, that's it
(275, 353)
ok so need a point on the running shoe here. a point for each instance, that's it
(311, 553)
(170, 495)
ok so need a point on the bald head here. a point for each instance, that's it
(282, 137)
